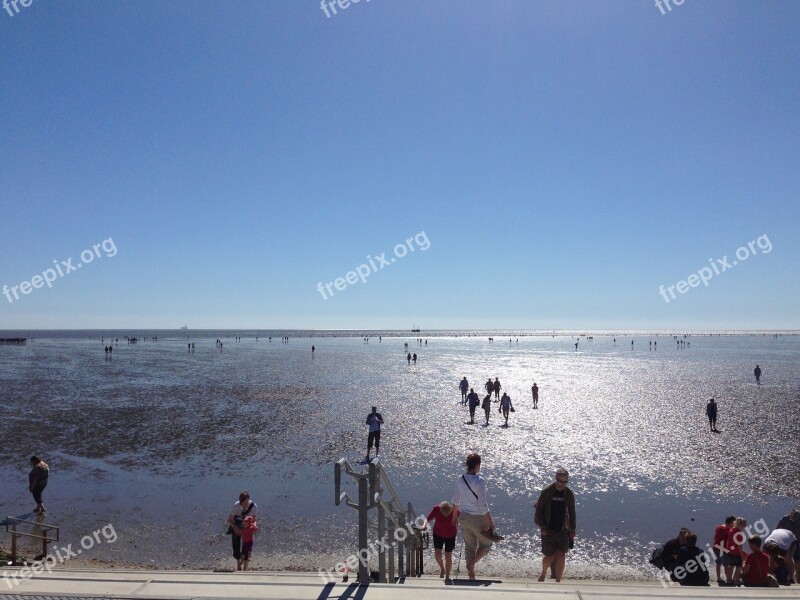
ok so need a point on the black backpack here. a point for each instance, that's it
(657, 558)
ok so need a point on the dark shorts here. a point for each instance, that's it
(729, 560)
(374, 436)
(718, 555)
(555, 541)
(236, 541)
(247, 550)
(447, 543)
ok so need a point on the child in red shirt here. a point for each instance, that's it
(249, 529)
(720, 538)
(756, 565)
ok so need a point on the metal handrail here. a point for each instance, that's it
(389, 512)
(45, 528)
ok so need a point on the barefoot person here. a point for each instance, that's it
(473, 400)
(535, 394)
(711, 413)
(241, 510)
(757, 373)
(37, 481)
(464, 386)
(505, 406)
(374, 420)
(486, 405)
(472, 513)
(249, 529)
(444, 537)
(555, 516)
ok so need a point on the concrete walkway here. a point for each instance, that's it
(169, 585)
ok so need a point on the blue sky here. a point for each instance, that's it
(564, 160)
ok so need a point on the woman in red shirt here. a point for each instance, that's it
(444, 536)
(734, 558)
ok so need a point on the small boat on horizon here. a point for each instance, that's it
(184, 328)
(13, 340)
(415, 329)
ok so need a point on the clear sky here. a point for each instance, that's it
(563, 159)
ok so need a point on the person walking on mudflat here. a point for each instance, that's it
(37, 481)
(555, 516)
(486, 405)
(505, 406)
(473, 404)
(711, 413)
(374, 420)
(496, 387)
(464, 387)
(489, 386)
(535, 394)
(757, 373)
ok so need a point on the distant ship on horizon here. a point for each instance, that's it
(415, 329)
(184, 328)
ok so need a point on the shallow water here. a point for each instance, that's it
(159, 441)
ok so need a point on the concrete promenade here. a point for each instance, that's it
(169, 585)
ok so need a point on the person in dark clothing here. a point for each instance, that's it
(691, 568)
(711, 413)
(37, 481)
(486, 405)
(464, 387)
(473, 400)
(555, 516)
(671, 549)
(757, 373)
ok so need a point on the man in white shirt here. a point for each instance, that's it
(782, 542)
(472, 513)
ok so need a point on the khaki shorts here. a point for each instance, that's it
(555, 540)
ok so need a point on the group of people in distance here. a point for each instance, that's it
(771, 560)
(554, 515)
(472, 400)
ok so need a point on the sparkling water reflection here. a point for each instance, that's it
(159, 440)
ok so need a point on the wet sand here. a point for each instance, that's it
(159, 441)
